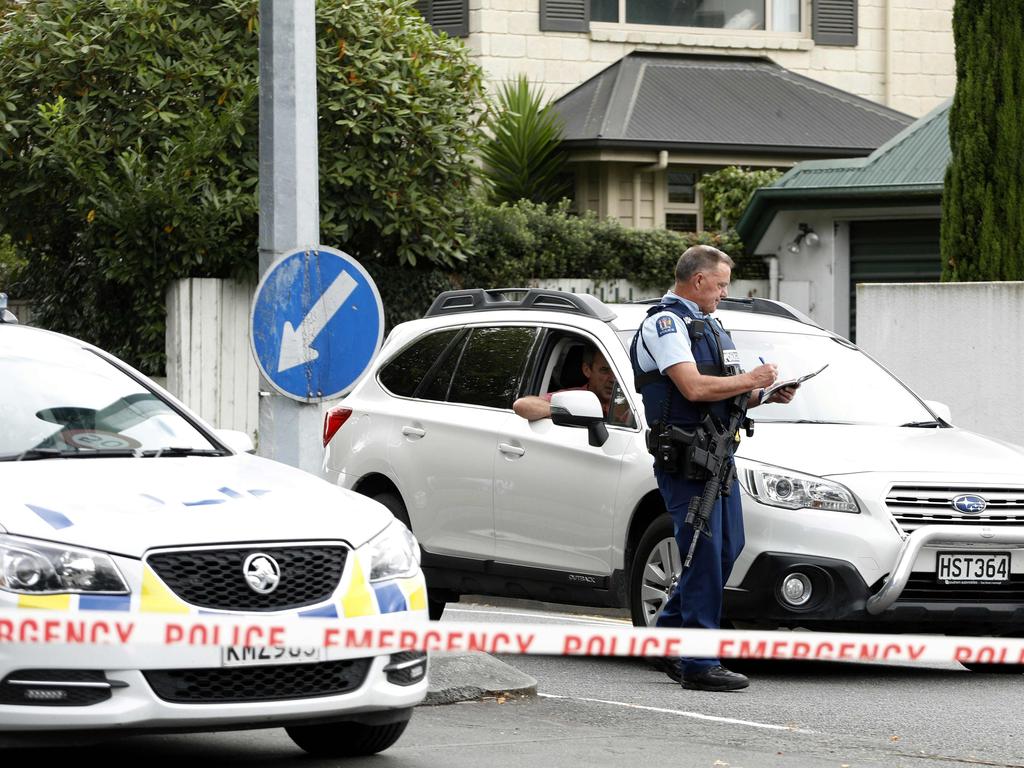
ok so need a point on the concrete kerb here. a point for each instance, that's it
(455, 677)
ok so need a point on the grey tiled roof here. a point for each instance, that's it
(715, 103)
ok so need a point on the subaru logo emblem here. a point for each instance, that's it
(262, 573)
(969, 504)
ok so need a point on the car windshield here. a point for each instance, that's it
(60, 401)
(854, 389)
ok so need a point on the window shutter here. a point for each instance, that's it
(451, 16)
(834, 22)
(565, 15)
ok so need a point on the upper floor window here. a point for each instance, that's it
(771, 15)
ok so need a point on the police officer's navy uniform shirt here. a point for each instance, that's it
(665, 337)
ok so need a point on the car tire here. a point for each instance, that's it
(435, 601)
(395, 506)
(653, 572)
(345, 739)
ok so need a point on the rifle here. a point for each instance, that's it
(717, 461)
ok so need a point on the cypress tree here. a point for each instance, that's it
(983, 199)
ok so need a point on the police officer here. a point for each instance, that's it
(686, 366)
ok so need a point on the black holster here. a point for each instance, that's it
(680, 451)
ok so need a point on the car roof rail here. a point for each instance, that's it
(6, 316)
(481, 300)
(761, 306)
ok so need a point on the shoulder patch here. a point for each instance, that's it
(665, 324)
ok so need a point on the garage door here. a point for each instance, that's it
(892, 251)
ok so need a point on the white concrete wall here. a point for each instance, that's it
(904, 57)
(959, 343)
(21, 310)
(210, 367)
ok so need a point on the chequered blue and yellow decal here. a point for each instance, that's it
(76, 602)
(361, 598)
(356, 596)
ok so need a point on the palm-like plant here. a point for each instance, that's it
(523, 158)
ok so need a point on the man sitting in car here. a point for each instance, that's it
(599, 379)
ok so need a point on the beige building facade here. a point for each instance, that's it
(903, 56)
(888, 61)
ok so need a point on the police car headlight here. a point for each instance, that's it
(793, 490)
(394, 552)
(35, 568)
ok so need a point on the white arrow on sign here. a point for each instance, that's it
(295, 342)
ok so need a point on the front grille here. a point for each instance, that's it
(269, 683)
(916, 505)
(925, 587)
(54, 687)
(213, 578)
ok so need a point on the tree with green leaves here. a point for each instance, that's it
(983, 197)
(129, 152)
(727, 191)
(523, 159)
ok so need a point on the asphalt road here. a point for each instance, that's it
(829, 713)
(620, 712)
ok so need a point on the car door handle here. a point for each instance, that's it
(414, 432)
(511, 450)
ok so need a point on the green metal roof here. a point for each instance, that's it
(910, 165)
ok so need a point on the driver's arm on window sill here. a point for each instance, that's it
(532, 408)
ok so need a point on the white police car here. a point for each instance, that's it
(863, 507)
(114, 497)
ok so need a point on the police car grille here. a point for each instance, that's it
(269, 683)
(924, 587)
(213, 578)
(915, 505)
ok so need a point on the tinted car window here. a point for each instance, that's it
(491, 366)
(402, 375)
(440, 379)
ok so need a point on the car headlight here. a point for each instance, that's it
(35, 568)
(793, 490)
(394, 552)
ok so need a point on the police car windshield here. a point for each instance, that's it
(854, 389)
(58, 401)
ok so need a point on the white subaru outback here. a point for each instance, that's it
(864, 508)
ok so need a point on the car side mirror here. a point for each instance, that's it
(940, 409)
(580, 408)
(237, 441)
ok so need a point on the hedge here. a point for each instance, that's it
(517, 242)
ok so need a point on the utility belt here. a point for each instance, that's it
(693, 454)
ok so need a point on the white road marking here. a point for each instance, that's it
(560, 619)
(681, 713)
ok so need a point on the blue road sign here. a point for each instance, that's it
(317, 323)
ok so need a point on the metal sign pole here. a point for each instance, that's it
(289, 197)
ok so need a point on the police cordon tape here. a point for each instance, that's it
(388, 633)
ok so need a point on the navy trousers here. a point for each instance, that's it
(696, 601)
